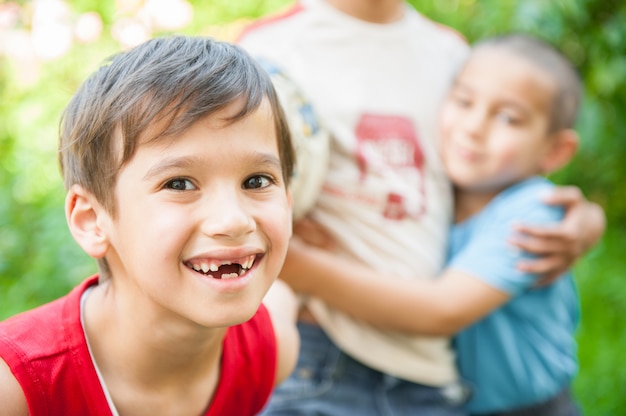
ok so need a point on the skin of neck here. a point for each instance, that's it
(148, 356)
(371, 11)
(466, 204)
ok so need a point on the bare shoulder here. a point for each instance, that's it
(282, 305)
(11, 394)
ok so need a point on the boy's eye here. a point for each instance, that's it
(507, 118)
(180, 184)
(462, 101)
(257, 182)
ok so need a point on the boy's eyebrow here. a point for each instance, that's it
(516, 106)
(267, 159)
(457, 85)
(169, 163)
(258, 159)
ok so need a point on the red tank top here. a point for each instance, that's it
(46, 350)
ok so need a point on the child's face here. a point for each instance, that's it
(495, 122)
(203, 221)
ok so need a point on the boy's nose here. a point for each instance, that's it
(226, 214)
(475, 122)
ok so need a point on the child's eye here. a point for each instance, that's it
(507, 118)
(180, 184)
(462, 101)
(257, 182)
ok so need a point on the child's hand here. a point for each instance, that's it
(313, 234)
(294, 271)
(308, 248)
(559, 246)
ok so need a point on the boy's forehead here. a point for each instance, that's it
(173, 123)
(493, 59)
(207, 128)
(507, 73)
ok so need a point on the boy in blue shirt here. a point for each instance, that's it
(508, 118)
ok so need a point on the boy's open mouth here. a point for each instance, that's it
(222, 269)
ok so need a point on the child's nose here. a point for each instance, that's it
(226, 214)
(475, 122)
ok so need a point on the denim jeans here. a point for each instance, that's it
(327, 382)
(560, 405)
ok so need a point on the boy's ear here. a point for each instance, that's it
(563, 149)
(83, 214)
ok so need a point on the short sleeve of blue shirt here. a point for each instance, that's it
(479, 246)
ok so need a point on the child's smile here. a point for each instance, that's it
(222, 269)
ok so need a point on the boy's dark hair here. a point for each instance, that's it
(158, 89)
(567, 99)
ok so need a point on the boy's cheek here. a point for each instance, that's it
(276, 217)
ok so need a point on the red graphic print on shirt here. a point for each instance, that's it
(389, 146)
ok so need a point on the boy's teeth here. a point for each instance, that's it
(230, 276)
(206, 267)
(248, 263)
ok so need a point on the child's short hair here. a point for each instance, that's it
(567, 99)
(158, 89)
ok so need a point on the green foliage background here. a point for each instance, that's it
(39, 260)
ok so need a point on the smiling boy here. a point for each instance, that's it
(507, 120)
(176, 158)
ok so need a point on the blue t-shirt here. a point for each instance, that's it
(524, 352)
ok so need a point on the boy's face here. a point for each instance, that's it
(495, 122)
(203, 221)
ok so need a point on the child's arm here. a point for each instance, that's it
(440, 306)
(11, 394)
(282, 305)
(559, 246)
